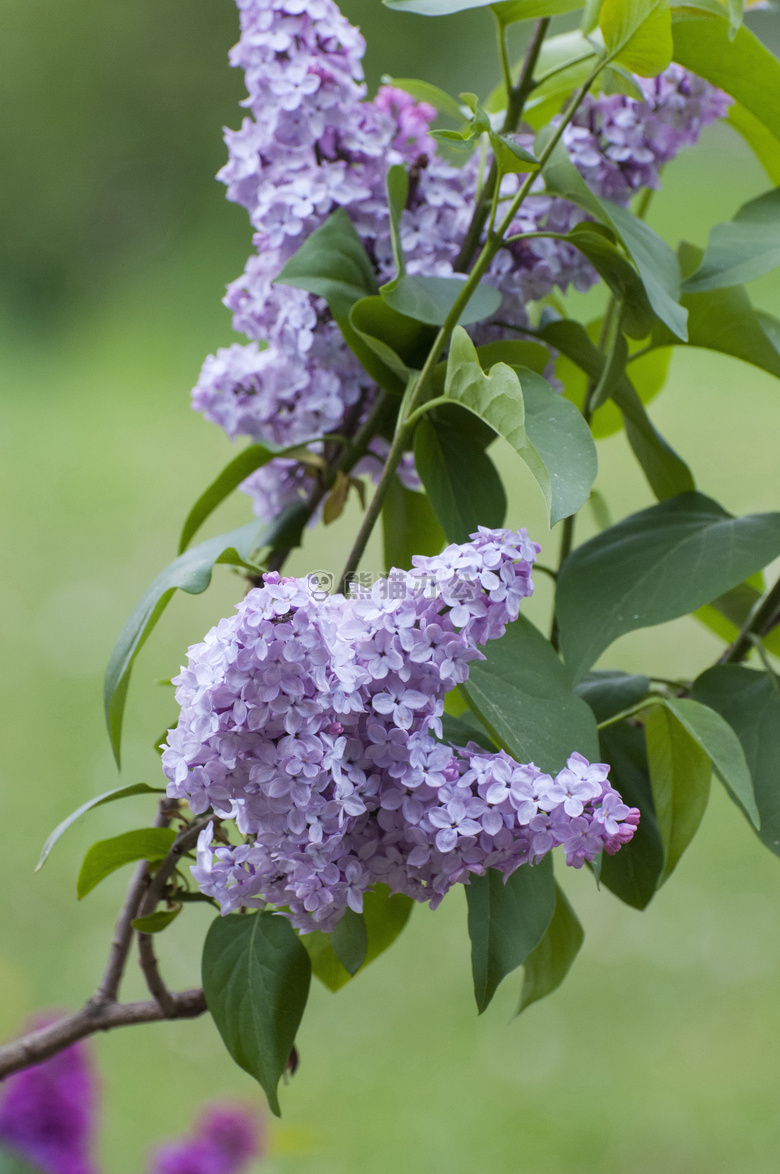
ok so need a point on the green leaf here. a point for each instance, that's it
(460, 479)
(458, 731)
(666, 472)
(104, 857)
(742, 249)
(350, 941)
(638, 34)
(409, 526)
(256, 977)
(506, 920)
(657, 264)
(724, 320)
(510, 157)
(716, 737)
(546, 967)
(552, 438)
(726, 615)
(98, 801)
(252, 458)
(655, 261)
(430, 299)
(397, 185)
(741, 65)
(750, 702)
(515, 353)
(384, 915)
(608, 691)
(191, 572)
(764, 144)
(619, 274)
(333, 264)
(387, 343)
(509, 11)
(564, 444)
(680, 773)
(13, 1163)
(655, 565)
(522, 695)
(632, 873)
(156, 922)
(425, 92)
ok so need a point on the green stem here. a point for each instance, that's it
(417, 390)
(651, 699)
(760, 621)
(502, 53)
(439, 402)
(517, 97)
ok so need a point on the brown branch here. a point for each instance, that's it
(761, 620)
(93, 1017)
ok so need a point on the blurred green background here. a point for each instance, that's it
(661, 1050)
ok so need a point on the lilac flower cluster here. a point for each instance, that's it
(316, 726)
(314, 142)
(225, 1141)
(620, 144)
(47, 1113)
(48, 1117)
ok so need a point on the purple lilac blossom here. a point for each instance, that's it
(620, 144)
(226, 1140)
(47, 1113)
(316, 725)
(314, 142)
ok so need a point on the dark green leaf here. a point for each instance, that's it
(741, 66)
(507, 920)
(750, 702)
(608, 691)
(425, 92)
(638, 34)
(333, 264)
(742, 249)
(156, 922)
(387, 343)
(544, 429)
(716, 737)
(191, 572)
(510, 157)
(655, 565)
(384, 915)
(657, 264)
(546, 967)
(667, 473)
(632, 873)
(397, 184)
(98, 801)
(726, 615)
(564, 443)
(256, 977)
(430, 299)
(104, 857)
(230, 478)
(350, 941)
(761, 140)
(465, 728)
(515, 353)
(523, 697)
(409, 526)
(680, 776)
(460, 480)
(619, 274)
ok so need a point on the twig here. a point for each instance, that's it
(760, 621)
(92, 1017)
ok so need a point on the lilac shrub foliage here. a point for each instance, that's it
(316, 725)
(49, 1118)
(315, 142)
